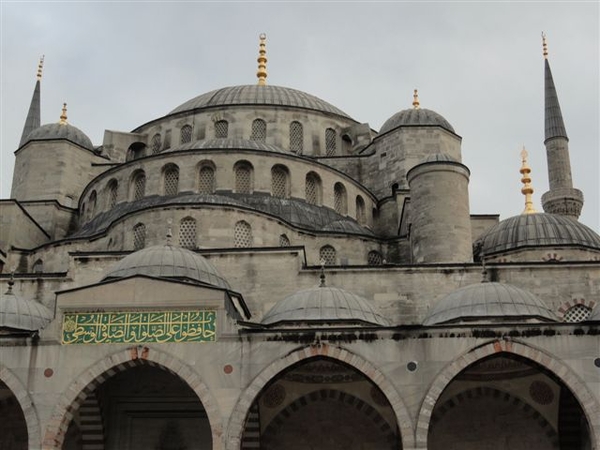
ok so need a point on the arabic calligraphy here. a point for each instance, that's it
(138, 327)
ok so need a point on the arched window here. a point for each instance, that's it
(242, 234)
(92, 204)
(296, 137)
(346, 144)
(330, 142)
(38, 266)
(186, 134)
(244, 183)
(284, 241)
(280, 182)
(136, 150)
(221, 129)
(259, 130)
(577, 313)
(206, 180)
(139, 236)
(138, 185)
(327, 255)
(155, 144)
(360, 210)
(340, 200)
(113, 191)
(171, 180)
(313, 190)
(187, 233)
(374, 258)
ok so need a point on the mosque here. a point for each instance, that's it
(258, 270)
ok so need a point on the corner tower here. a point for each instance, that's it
(562, 198)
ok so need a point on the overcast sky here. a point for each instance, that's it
(479, 64)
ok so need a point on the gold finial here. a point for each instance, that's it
(262, 61)
(527, 189)
(544, 45)
(40, 67)
(63, 116)
(416, 103)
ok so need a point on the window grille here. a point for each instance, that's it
(259, 130)
(186, 134)
(330, 142)
(206, 180)
(327, 255)
(312, 189)
(279, 182)
(577, 313)
(139, 236)
(242, 234)
(284, 241)
(374, 258)
(187, 233)
(155, 144)
(139, 186)
(113, 191)
(339, 199)
(221, 129)
(296, 137)
(171, 181)
(243, 179)
(167, 143)
(360, 210)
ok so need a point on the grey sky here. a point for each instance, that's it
(119, 65)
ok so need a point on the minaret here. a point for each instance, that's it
(261, 74)
(33, 120)
(562, 198)
(527, 189)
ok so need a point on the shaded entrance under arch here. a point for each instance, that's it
(321, 404)
(506, 402)
(13, 428)
(142, 407)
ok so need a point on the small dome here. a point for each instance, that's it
(530, 230)
(168, 261)
(415, 117)
(22, 314)
(61, 131)
(488, 302)
(324, 304)
(254, 94)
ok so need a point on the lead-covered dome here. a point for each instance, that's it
(168, 261)
(324, 304)
(254, 94)
(66, 131)
(416, 117)
(535, 230)
(489, 302)
(18, 313)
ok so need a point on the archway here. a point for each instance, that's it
(503, 400)
(13, 428)
(322, 404)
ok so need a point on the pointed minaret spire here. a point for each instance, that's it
(33, 120)
(415, 103)
(562, 198)
(527, 189)
(262, 61)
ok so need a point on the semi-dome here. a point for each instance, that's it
(22, 314)
(228, 143)
(66, 131)
(324, 304)
(258, 95)
(489, 302)
(439, 157)
(415, 117)
(534, 230)
(168, 261)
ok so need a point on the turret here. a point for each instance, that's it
(562, 198)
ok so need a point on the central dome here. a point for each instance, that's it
(258, 95)
(168, 261)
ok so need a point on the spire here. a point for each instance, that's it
(415, 103)
(554, 124)
(63, 116)
(262, 61)
(527, 189)
(33, 119)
